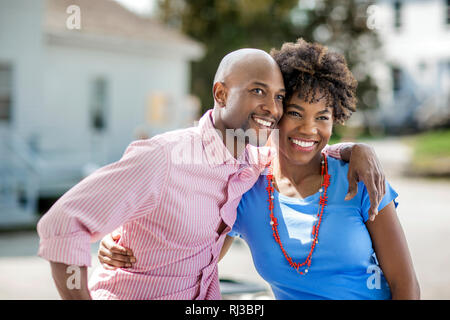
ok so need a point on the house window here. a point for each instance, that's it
(99, 104)
(398, 14)
(5, 92)
(396, 79)
(448, 12)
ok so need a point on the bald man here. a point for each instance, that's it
(173, 197)
(248, 94)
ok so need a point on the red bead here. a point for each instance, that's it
(315, 231)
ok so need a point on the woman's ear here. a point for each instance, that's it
(220, 94)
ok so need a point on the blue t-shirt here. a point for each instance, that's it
(343, 264)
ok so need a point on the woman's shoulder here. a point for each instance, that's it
(337, 166)
(338, 170)
(257, 189)
(339, 176)
(336, 162)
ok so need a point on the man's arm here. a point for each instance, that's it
(113, 256)
(226, 246)
(117, 193)
(363, 166)
(71, 281)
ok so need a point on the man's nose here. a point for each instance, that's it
(274, 108)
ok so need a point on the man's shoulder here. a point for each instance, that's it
(176, 144)
(167, 139)
(176, 136)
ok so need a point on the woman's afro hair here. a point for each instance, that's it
(312, 72)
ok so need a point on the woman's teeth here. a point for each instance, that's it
(263, 122)
(304, 144)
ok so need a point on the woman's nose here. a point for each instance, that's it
(308, 128)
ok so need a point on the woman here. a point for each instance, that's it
(306, 240)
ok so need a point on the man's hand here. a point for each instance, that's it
(364, 166)
(113, 256)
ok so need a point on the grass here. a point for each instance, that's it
(431, 152)
(433, 144)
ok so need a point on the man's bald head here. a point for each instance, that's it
(248, 91)
(242, 60)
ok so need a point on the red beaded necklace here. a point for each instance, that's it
(315, 229)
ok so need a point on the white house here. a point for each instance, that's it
(414, 78)
(79, 80)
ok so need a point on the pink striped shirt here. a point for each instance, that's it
(168, 195)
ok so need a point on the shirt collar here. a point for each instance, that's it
(215, 151)
(259, 157)
(217, 154)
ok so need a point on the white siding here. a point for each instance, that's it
(21, 46)
(131, 78)
(420, 48)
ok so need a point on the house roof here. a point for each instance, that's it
(108, 24)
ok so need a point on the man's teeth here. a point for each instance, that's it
(263, 122)
(303, 144)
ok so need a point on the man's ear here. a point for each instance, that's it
(220, 94)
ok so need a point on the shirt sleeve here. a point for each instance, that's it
(114, 194)
(236, 231)
(335, 149)
(390, 195)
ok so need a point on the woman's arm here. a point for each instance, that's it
(392, 252)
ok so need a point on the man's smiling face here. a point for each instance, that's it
(253, 94)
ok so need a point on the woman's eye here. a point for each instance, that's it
(323, 118)
(294, 113)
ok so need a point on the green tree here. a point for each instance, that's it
(226, 25)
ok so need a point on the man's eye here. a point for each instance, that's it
(258, 91)
(280, 97)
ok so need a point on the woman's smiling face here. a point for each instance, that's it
(305, 129)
